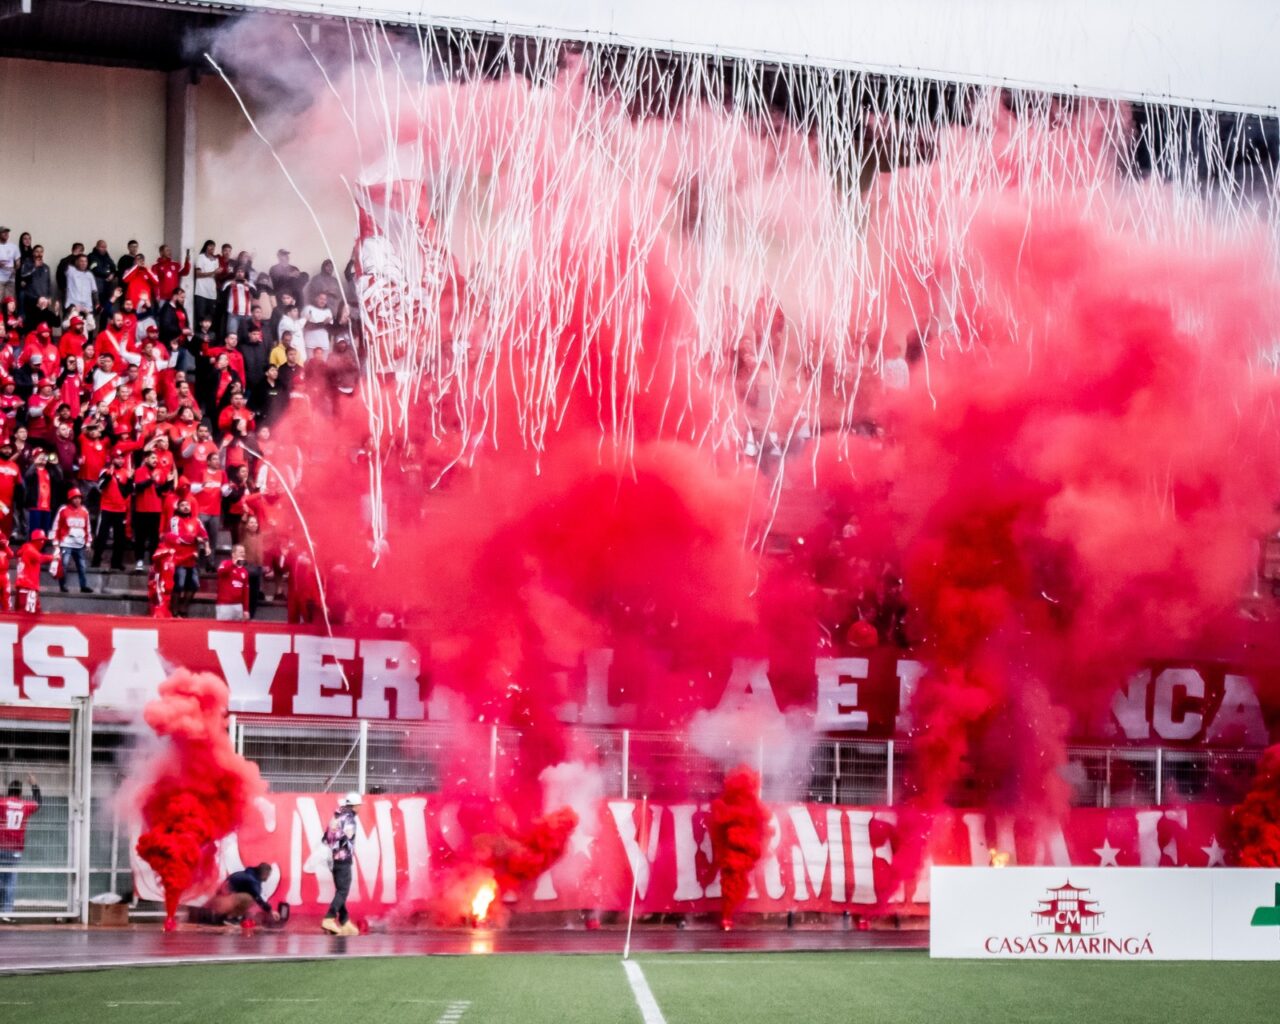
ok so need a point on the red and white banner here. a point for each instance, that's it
(372, 674)
(820, 857)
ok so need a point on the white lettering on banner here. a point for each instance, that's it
(908, 673)
(749, 689)
(45, 666)
(390, 665)
(687, 885)
(838, 694)
(812, 856)
(1169, 684)
(640, 860)
(1239, 717)
(975, 826)
(307, 831)
(863, 855)
(135, 671)
(1129, 707)
(595, 708)
(1149, 848)
(413, 812)
(770, 867)
(250, 687)
(322, 684)
(8, 685)
(376, 854)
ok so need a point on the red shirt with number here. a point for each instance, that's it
(15, 812)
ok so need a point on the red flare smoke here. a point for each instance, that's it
(519, 857)
(1254, 826)
(739, 829)
(197, 789)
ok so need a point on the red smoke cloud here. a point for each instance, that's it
(1254, 832)
(738, 824)
(196, 789)
(1072, 482)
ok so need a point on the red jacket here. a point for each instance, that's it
(72, 528)
(147, 490)
(139, 281)
(190, 533)
(230, 414)
(117, 485)
(30, 559)
(93, 458)
(209, 497)
(233, 584)
(169, 274)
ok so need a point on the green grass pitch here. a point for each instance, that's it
(769, 988)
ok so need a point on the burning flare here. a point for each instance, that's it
(999, 858)
(482, 900)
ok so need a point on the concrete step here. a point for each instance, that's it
(135, 604)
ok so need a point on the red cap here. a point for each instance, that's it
(153, 331)
(43, 329)
(74, 493)
(76, 321)
(37, 535)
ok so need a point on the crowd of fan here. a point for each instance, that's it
(135, 424)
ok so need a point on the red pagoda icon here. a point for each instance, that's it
(1068, 912)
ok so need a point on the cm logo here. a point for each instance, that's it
(1268, 917)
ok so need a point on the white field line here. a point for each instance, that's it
(453, 1012)
(647, 1005)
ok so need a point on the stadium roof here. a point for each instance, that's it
(1187, 52)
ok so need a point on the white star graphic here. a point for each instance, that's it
(1107, 854)
(1215, 853)
(580, 843)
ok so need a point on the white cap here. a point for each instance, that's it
(350, 800)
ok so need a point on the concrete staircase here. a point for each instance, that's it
(125, 593)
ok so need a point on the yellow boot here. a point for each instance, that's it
(330, 925)
(349, 929)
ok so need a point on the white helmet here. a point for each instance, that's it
(350, 800)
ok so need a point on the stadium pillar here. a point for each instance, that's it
(180, 161)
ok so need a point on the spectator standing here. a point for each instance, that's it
(149, 487)
(192, 541)
(35, 282)
(139, 282)
(31, 559)
(239, 294)
(207, 485)
(17, 814)
(66, 263)
(10, 489)
(269, 398)
(6, 561)
(129, 259)
(286, 278)
(319, 318)
(206, 287)
(9, 257)
(232, 601)
(39, 482)
(103, 268)
(81, 289)
(71, 532)
(251, 540)
(160, 578)
(253, 352)
(326, 283)
(169, 273)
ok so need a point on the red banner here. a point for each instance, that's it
(820, 857)
(372, 674)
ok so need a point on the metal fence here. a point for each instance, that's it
(79, 840)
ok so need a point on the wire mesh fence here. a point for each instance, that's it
(77, 840)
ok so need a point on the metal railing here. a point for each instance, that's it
(79, 841)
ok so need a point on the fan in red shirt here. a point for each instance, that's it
(169, 273)
(232, 602)
(31, 558)
(237, 411)
(160, 578)
(192, 541)
(73, 339)
(10, 478)
(95, 452)
(15, 813)
(113, 338)
(72, 531)
(196, 453)
(304, 589)
(235, 358)
(139, 282)
(116, 487)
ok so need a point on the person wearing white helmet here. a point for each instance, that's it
(340, 837)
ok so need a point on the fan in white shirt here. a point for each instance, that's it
(318, 317)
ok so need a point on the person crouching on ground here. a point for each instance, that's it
(237, 898)
(340, 837)
(232, 603)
